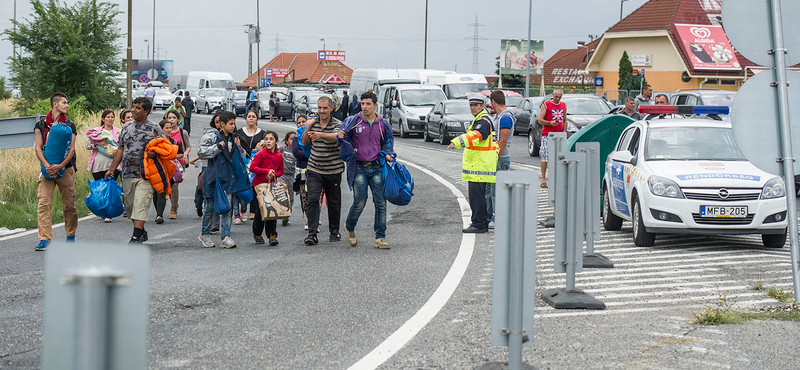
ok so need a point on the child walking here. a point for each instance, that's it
(267, 166)
(289, 163)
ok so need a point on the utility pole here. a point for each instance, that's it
(258, 43)
(153, 58)
(249, 32)
(528, 57)
(425, 54)
(129, 60)
(475, 45)
(14, 44)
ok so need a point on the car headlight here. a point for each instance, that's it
(663, 187)
(774, 188)
(453, 123)
(571, 127)
(409, 113)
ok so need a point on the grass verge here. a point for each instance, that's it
(722, 312)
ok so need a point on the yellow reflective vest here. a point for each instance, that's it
(480, 156)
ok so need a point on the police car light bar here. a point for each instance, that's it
(684, 109)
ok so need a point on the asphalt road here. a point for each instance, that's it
(328, 306)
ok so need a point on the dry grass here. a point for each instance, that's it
(21, 169)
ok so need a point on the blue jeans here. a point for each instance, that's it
(238, 206)
(208, 216)
(368, 176)
(503, 164)
(249, 106)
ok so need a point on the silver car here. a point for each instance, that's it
(163, 99)
(209, 100)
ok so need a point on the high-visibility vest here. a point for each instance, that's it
(480, 156)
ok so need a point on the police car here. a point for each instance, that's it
(688, 176)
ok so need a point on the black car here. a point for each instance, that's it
(447, 120)
(523, 113)
(235, 101)
(582, 109)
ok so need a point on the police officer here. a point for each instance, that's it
(479, 164)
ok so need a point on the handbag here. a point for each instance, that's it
(273, 201)
(222, 204)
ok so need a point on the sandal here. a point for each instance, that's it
(159, 220)
(543, 185)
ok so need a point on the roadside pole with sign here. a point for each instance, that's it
(765, 106)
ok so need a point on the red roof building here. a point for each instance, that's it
(301, 68)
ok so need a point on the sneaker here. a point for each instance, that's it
(305, 227)
(173, 215)
(381, 243)
(273, 240)
(227, 243)
(107, 220)
(135, 240)
(474, 230)
(334, 237)
(259, 239)
(144, 236)
(491, 225)
(42, 245)
(206, 241)
(311, 240)
(237, 220)
(285, 222)
(214, 230)
(159, 220)
(199, 212)
(350, 236)
(244, 217)
(124, 213)
(71, 239)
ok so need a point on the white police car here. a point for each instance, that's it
(688, 176)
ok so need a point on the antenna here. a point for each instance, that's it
(476, 38)
(277, 48)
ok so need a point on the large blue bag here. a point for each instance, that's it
(105, 198)
(59, 140)
(306, 148)
(398, 184)
(222, 204)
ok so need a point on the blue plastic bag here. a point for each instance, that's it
(59, 140)
(398, 184)
(105, 198)
(306, 148)
(246, 196)
(222, 204)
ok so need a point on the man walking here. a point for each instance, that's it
(551, 117)
(252, 97)
(363, 136)
(345, 107)
(479, 165)
(188, 105)
(150, 92)
(503, 122)
(644, 98)
(324, 171)
(137, 191)
(66, 183)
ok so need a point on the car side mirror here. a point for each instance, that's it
(623, 156)
(394, 103)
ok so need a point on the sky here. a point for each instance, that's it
(209, 35)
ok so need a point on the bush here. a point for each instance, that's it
(78, 110)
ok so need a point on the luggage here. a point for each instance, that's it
(57, 147)
(105, 198)
(398, 184)
(273, 200)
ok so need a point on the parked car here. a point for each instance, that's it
(703, 97)
(283, 110)
(308, 103)
(582, 109)
(512, 99)
(209, 100)
(235, 101)
(409, 104)
(524, 111)
(688, 176)
(163, 99)
(446, 120)
(181, 94)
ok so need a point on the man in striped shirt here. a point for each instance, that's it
(324, 171)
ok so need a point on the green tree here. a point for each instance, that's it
(74, 50)
(4, 94)
(627, 80)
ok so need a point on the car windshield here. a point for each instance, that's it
(718, 99)
(418, 98)
(312, 99)
(240, 95)
(222, 84)
(457, 108)
(163, 92)
(460, 91)
(210, 93)
(586, 106)
(513, 101)
(692, 143)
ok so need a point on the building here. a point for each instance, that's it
(301, 68)
(567, 68)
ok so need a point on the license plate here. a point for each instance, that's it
(720, 211)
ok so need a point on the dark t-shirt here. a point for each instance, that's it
(42, 127)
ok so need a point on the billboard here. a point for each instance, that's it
(162, 70)
(333, 55)
(512, 56)
(707, 47)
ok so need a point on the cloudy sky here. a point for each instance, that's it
(209, 34)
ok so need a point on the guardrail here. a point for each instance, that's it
(17, 132)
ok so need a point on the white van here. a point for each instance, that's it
(197, 80)
(409, 104)
(373, 78)
(458, 85)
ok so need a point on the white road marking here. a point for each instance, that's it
(431, 308)
(34, 231)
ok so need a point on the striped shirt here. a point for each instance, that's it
(324, 154)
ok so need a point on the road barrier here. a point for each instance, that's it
(555, 142)
(592, 208)
(17, 132)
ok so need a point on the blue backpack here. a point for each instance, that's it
(398, 184)
(59, 141)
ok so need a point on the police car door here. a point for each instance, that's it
(620, 159)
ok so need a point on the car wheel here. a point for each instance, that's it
(294, 116)
(611, 222)
(533, 149)
(774, 240)
(641, 237)
(206, 110)
(426, 136)
(442, 136)
(403, 132)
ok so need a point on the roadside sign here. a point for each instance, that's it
(331, 55)
(268, 72)
(321, 55)
(143, 79)
(750, 29)
(265, 82)
(95, 306)
(598, 82)
(334, 79)
(642, 74)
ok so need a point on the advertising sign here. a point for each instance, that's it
(335, 55)
(707, 47)
(512, 56)
(144, 67)
(641, 60)
(275, 72)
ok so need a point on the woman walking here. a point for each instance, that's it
(267, 166)
(301, 162)
(249, 136)
(289, 163)
(102, 141)
(273, 103)
(181, 138)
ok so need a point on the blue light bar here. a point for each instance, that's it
(712, 109)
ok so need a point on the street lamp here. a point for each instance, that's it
(620, 8)
(583, 74)
(148, 47)
(323, 43)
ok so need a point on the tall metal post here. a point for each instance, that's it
(425, 53)
(14, 44)
(528, 57)
(153, 57)
(516, 277)
(91, 322)
(779, 52)
(258, 43)
(129, 66)
(572, 169)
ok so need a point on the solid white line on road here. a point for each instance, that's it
(33, 231)
(410, 328)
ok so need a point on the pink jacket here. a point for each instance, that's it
(92, 135)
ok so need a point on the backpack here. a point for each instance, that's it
(398, 184)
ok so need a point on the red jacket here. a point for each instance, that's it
(160, 170)
(264, 161)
